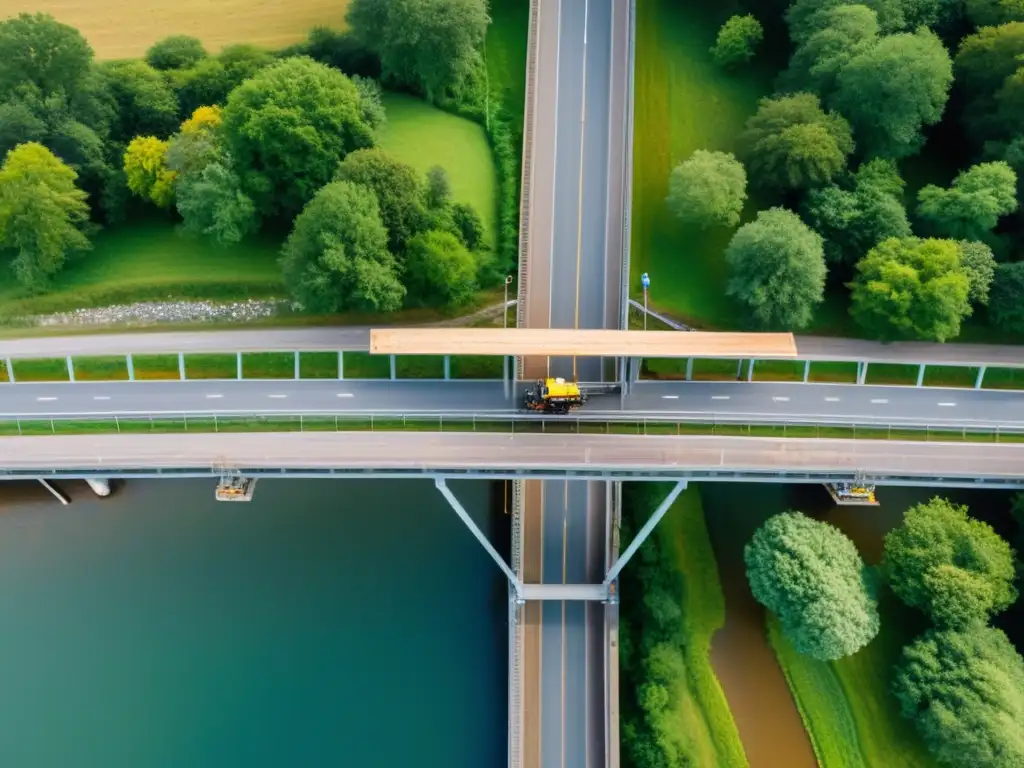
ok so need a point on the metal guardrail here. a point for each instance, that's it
(507, 423)
(529, 117)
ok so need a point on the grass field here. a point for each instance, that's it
(120, 29)
(683, 103)
(422, 136)
(851, 718)
(506, 54)
(152, 260)
(703, 712)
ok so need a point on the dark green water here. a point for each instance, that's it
(325, 623)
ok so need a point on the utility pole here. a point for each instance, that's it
(504, 308)
(645, 281)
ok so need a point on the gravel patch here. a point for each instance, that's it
(156, 312)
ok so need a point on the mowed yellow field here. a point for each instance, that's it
(121, 29)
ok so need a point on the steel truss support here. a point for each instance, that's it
(641, 537)
(517, 585)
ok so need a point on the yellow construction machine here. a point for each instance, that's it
(554, 396)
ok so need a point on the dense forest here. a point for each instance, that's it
(864, 91)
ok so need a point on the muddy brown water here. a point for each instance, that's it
(762, 706)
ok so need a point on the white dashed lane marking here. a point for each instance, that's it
(345, 394)
(101, 397)
(947, 405)
(670, 397)
(45, 399)
(277, 397)
(213, 397)
(831, 399)
(781, 399)
(879, 401)
(720, 397)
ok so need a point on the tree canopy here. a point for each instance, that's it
(812, 577)
(979, 263)
(791, 143)
(37, 50)
(972, 206)
(964, 690)
(146, 171)
(336, 257)
(777, 268)
(909, 288)
(737, 41)
(287, 127)
(439, 269)
(955, 568)
(1006, 300)
(840, 33)
(397, 187)
(146, 105)
(708, 189)
(175, 52)
(892, 90)
(42, 213)
(992, 13)
(430, 45)
(854, 218)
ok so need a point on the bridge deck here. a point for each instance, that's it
(564, 592)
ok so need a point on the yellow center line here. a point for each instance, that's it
(579, 220)
(565, 530)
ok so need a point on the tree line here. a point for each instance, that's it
(865, 83)
(961, 683)
(249, 140)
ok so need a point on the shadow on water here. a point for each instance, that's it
(326, 622)
(757, 692)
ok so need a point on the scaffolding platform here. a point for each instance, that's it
(235, 488)
(852, 494)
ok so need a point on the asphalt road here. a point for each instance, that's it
(960, 463)
(583, 266)
(754, 401)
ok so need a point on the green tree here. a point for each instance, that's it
(812, 577)
(909, 288)
(972, 206)
(145, 168)
(979, 263)
(805, 17)
(42, 213)
(790, 143)
(175, 52)
(843, 32)
(853, 221)
(19, 125)
(205, 83)
(964, 691)
(737, 41)
(1006, 302)
(146, 105)
(439, 269)
(955, 568)
(985, 62)
(39, 51)
(371, 102)
(708, 189)
(336, 257)
(430, 45)
(242, 60)
(467, 225)
(397, 187)
(438, 192)
(892, 90)
(211, 203)
(777, 268)
(992, 13)
(287, 128)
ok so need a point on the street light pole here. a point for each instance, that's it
(504, 313)
(645, 281)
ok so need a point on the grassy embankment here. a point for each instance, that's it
(685, 103)
(677, 565)
(852, 719)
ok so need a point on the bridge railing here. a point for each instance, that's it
(511, 423)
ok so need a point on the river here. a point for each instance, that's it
(325, 623)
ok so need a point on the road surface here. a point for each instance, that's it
(752, 401)
(807, 459)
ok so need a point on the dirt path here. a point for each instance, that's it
(770, 728)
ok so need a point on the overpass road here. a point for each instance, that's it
(756, 401)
